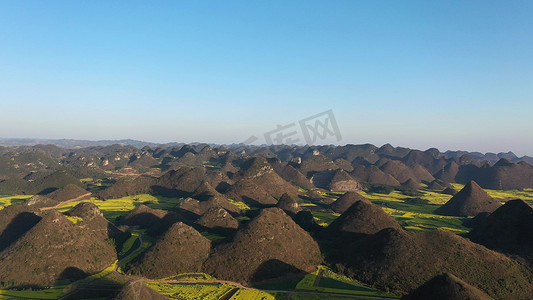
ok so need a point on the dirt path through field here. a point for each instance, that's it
(115, 271)
(318, 277)
(65, 202)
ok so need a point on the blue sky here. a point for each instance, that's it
(446, 74)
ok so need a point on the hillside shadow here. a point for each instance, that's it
(72, 274)
(103, 288)
(224, 231)
(20, 224)
(169, 193)
(336, 246)
(165, 223)
(222, 187)
(143, 220)
(254, 203)
(306, 220)
(274, 269)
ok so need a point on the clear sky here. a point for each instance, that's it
(446, 74)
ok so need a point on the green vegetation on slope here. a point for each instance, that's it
(206, 291)
(331, 282)
(10, 200)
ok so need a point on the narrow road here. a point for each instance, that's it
(318, 277)
(65, 202)
(331, 294)
(115, 271)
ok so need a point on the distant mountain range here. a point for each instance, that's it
(74, 144)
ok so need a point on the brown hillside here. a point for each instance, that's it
(156, 221)
(181, 249)
(343, 182)
(401, 261)
(509, 229)
(220, 202)
(250, 193)
(430, 159)
(305, 219)
(205, 191)
(506, 175)
(288, 204)
(436, 186)
(192, 208)
(449, 191)
(448, 173)
(344, 164)
(54, 181)
(143, 216)
(345, 201)
(290, 174)
(39, 201)
(218, 220)
(315, 162)
(15, 220)
(421, 173)
(260, 172)
(54, 248)
(143, 160)
(93, 221)
(411, 185)
(322, 179)
(446, 287)
(470, 201)
(362, 217)
(184, 180)
(127, 187)
(398, 170)
(373, 174)
(70, 191)
(268, 247)
(220, 181)
(137, 290)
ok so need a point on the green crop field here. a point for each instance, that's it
(324, 218)
(129, 245)
(287, 284)
(54, 292)
(241, 205)
(245, 294)
(207, 291)
(416, 213)
(10, 200)
(74, 219)
(296, 296)
(147, 243)
(212, 236)
(414, 217)
(191, 277)
(114, 208)
(332, 282)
